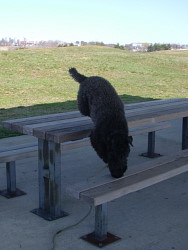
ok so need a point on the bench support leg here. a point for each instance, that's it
(101, 222)
(185, 133)
(100, 237)
(151, 146)
(49, 181)
(11, 190)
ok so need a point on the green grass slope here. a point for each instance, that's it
(36, 81)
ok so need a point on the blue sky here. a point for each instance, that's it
(117, 21)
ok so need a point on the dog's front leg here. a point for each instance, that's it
(98, 145)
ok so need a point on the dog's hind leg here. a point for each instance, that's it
(83, 105)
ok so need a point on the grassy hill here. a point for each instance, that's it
(36, 81)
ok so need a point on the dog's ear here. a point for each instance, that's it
(131, 140)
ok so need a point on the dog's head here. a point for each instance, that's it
(118, 155)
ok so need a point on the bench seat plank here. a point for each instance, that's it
(149, 128)
(40, 119)
(159, 108)
(20, 151)
(155, 117)
(69, 134)
(17, 146)
(164, 168)
(53, 128)
(28, 128)
(132, 132)
(133, 106)
(126, 185)
(17, 154)
(80, 132)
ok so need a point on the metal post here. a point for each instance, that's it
(100, 237)
(11, 190)
(55, 178)
(185, 133)
(151, 146)
(49, 166)
(151, 143)
(11, 177)
(43, 168)
(101, 221)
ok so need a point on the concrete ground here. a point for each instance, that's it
(155, 218)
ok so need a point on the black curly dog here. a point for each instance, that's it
(99, 100)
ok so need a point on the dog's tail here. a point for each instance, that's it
(77, 76)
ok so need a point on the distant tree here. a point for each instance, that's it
(100, 43)
(157, 47)
(117, 46)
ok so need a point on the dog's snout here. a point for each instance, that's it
(118, 173)
(115, 175)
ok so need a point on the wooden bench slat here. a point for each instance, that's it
(131, 113)
(44, 118)
(74, 114)
(156, 105)
(132, 106)
(153, 109)
(84, 131)
(126, 185)
(69, 134)
(20, 151)
(76, 122)
(17, 123)
(28, 128)
(133, 131)
(148, 128)
(133, 121)
(84, 187)
(18, 154)
(77, 133)
(49, 127)
(152, 117)
(17, 146)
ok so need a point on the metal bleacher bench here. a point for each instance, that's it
(11, 154)
(98, 192)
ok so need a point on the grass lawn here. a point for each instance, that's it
(36, 81)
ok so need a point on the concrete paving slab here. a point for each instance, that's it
(154, 218)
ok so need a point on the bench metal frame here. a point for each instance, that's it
(100, 237)
(185, 133)
(49, 181)
(11, 190)
(151, 147)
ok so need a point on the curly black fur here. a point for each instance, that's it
(98, 99)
